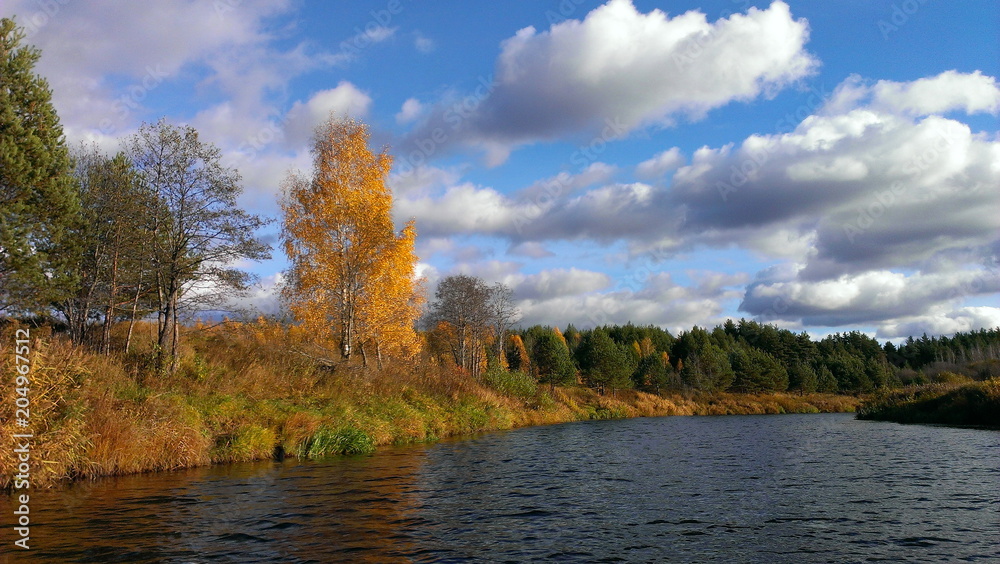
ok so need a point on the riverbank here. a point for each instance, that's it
(975, 403)
(239, 395)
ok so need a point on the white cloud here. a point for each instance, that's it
(104, 81)
(530, 249)
(660, 164)
(656, 300)
(843, 193)
(423, 43)
(411, 110)
(942, 322)
(262, 299)
(376, 34)
(622, 67)
(562, 186)
(420, 181)
(344, 100)
(877, 296)
(867, 189)
(465, 209)
(560, 282)
(950, 90)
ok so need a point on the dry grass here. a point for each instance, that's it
(241, 394)
(775, 403)
(968, 403)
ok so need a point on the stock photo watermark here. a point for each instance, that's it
(755, 161)
(47, 10)
(899, 17)
(22, 439)
(882, 201)
(454, 116)
(528, 210)
(634, 281)
(133, 97)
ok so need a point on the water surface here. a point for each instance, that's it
(788, 488)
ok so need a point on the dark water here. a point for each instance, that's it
(789, 488)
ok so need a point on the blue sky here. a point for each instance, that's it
(824, 166)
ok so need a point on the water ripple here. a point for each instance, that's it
(815, 488)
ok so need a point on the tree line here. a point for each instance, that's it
(96, 238)
(738, 356)
(154, 229)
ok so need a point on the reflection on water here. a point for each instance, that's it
(811, 488)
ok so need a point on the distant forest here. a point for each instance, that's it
(747, 357)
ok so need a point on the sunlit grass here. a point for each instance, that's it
(240, 395)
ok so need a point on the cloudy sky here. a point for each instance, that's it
(824, 166)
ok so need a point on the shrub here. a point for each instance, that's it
(515, 383)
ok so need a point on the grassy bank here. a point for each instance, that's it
(972, 403)
(241, 395)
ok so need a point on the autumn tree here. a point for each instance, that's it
(476, 316)
(517, 355)
(38, 204)
(503, 313)
(351, 281)
(461, 306)
(197, 229)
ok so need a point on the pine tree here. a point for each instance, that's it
(517, 355)
(551, 359)
(605, 363)
(38, 205)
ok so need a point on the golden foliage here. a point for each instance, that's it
(646, 347)
(561, 337)
(519, 359)
(351, 281)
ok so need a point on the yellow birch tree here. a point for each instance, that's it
(351, 281)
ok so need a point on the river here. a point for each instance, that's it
(786, 488)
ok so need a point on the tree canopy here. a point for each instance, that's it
(351, 282)
(38, 200)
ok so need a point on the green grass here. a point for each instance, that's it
(328, 442)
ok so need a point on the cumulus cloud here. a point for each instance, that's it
(102, 82)
(867, 298)
(588, 298)
(624, 67)
(882, 213)
(411, 110)
(465, 208)
(656, 299)
(660, 164)
(870, 190)
(422, 180)
(344, 100)
(470, 209)
(554, 283)
(942, 322)
(852, 191)
(950, 90)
